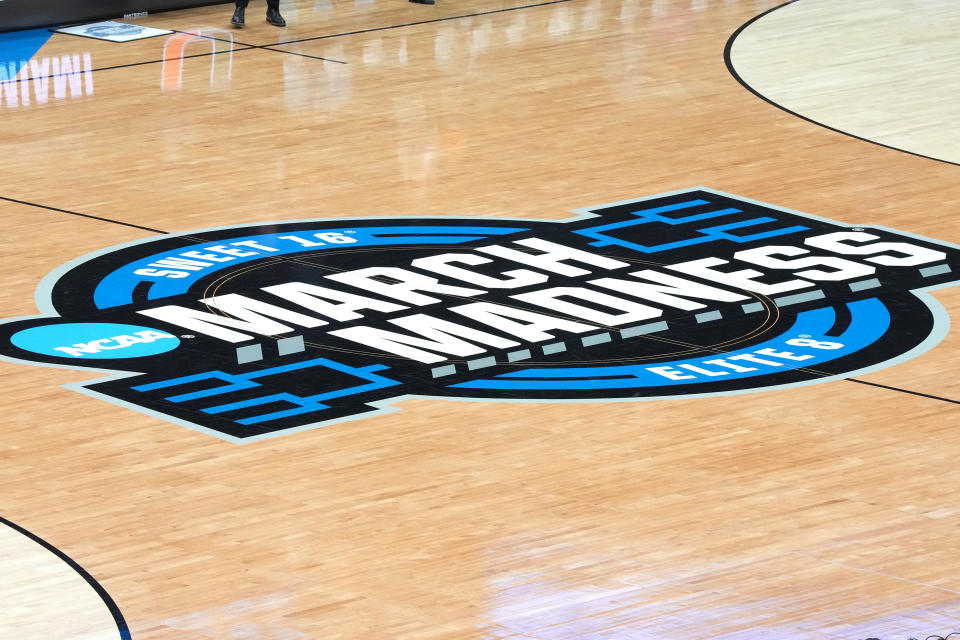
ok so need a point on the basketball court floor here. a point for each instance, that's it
(487, 320)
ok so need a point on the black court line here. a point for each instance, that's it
(132, 64)
(913, 393)
(432, 20)
(733, 72)
(81, 215)
(122, 627)
(264, 47)
(206, 37)
(235, 43)
(302, 55)
(242, 46)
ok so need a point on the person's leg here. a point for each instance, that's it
(237, 19)
(273, 14)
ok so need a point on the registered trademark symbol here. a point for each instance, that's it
(188, 335)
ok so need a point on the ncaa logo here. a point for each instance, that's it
(93, 340)
(252, 331)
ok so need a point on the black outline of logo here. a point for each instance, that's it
(916, 322)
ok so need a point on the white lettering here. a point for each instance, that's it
(78, 349)
(532, 326)
(743, 279)
(749, 357)
(551, 299)
(181, 263)
(701, 370)
(406, 285)
(667, 290)
(720, 362)
(10, 86)
(66, 68)
(671, 373)
(441, 264)
(199, 255)
(40, 69)
(843, 269)
(237, 253)
(251, 313)
(910, 254)
(786, 355)
(161, 273)
(435, 335)
(122, 341)
(316, 299)
(253, 244)
(303, 242)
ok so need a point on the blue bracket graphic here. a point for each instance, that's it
(302, 404)
(708, 234)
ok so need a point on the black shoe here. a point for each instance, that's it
(237, 19)
(274, 18)
(424, 1)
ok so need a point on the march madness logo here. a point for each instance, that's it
(247, 332)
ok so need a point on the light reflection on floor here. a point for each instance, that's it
(620, 595)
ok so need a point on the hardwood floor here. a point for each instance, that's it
(823, 510)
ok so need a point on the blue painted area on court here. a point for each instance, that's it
(17, 48)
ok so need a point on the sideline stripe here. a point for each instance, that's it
(432, 20)
(272, 47)
(243, 46)
(913, 393)
(302, 55)
(107, 600)
(82, 215)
